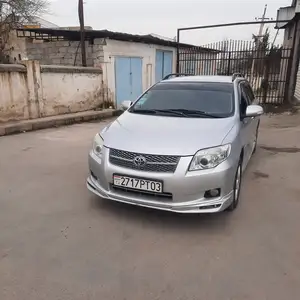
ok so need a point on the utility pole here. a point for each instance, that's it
(82, 32)
(263, 18)
(259, 37)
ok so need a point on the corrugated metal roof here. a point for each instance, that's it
(74, 35)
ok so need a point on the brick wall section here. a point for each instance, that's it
(66, 53)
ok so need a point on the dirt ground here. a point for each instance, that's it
(57, 241)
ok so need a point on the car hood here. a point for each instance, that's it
(150, 134)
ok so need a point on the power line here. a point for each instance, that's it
(231, 24)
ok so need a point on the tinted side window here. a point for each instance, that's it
(249, 92)
(244, 100)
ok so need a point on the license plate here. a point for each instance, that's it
(138, 183)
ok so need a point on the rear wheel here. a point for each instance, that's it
(236, 187)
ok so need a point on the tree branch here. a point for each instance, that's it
(13, 13)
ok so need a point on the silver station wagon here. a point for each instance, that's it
(182, 146)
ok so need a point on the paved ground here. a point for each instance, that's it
(57, 241)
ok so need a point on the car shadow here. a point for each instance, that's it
(147, 217)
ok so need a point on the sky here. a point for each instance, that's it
(163, 17)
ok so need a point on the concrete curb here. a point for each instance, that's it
(55, 121)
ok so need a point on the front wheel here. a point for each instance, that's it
(236, 187)
(255, 142)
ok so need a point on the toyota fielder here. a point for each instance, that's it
(182, 146)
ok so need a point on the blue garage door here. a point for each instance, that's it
(163, 64)
(128, 74)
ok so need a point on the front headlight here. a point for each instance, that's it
(210, 158)
(98, 145)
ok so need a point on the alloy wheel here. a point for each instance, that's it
(236, 188)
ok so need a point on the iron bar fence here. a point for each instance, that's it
(264, 66)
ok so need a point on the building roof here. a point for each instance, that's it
(90, 35)
(288, 14)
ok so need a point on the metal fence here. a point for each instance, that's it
(266, 67)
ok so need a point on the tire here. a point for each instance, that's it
(256, 137)
(236, 187)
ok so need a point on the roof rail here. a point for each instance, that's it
(236, 75)
(176, 75)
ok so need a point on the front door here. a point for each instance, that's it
(128, 76)
(247, 124)
(254, 120)
(163, 64)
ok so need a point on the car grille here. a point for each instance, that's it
(154, 163)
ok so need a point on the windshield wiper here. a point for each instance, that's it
(178, 112)
(144, 111)
(157, 111)
(190, 112)
(172, 111)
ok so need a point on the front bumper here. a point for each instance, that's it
(187, 188)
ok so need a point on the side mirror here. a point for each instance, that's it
(254, 111)
(126, 104)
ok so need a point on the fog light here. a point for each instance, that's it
(212, 193)
(98, 149)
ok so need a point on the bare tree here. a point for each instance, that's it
(14, 13)
(260, 53)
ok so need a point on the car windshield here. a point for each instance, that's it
(191, 99)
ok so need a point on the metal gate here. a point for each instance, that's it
(266, 66)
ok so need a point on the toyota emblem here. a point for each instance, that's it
(140, 161)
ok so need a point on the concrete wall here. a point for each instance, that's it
(15, 48)
(34, 91)
(13, 93)
(292, 38)
(297, 86)
(288, 36)
(147, 52)
(74, 91)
